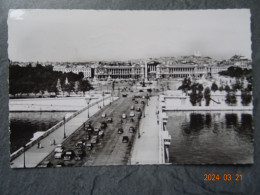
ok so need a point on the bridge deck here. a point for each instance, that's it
(34, 155)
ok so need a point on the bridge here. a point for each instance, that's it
(30, 156)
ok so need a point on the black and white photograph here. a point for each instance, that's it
(128, 87)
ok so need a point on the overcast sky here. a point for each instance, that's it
(85, 35)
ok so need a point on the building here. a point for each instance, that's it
(85, 69)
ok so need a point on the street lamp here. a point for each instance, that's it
(103, 98)
(88, 106)
(64, 127)
(24, 156)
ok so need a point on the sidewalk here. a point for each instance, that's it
(146, 148)
(34, 155)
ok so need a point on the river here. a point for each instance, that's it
(210, 137)
(24, 124)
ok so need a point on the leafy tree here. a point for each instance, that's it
(186, 85)
(214, 87)
(246, 97)
(231, 98)
(207, 96)
(84, 86)
(227, 88)
(196, 94)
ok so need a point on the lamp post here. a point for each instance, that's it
(88, 106)
(64, 127)
(24, 156)
(103, 98)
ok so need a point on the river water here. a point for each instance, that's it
(24, 124)
(210, 137)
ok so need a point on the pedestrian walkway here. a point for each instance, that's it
(34, 155)
(146, 147)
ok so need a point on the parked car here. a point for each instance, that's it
(124, 95)
(143, 97)
(132, 114)
(142, 102)
(103, 125)
(60, 165)
(96, 130)
(120, 131)
(133, 99)
(109, 120)
(125, 139)
(124, 116)
(94, 140)
(89, 146)
(68, 155)
(59, 149)
(103, 115)
(79, 154)
(131, 129)
(138, 109)
(101, 134)
(58, 155)
(80, 145)
(86, 138)
(45, 164)
(136, 102)
(141, 90)
(132, 108)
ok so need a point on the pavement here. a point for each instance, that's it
(146, 148)
(34, 155)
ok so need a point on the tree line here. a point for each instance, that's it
(25, 80)
(197, 92)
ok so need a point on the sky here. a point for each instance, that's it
(95, 35)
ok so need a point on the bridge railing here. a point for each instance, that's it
(52, 129)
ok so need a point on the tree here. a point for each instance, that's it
(231, 98)
(207, 96)
(196, 94)
(186, 85)
(214, 87)
(246, 97)
(84, 86)
(227, 88)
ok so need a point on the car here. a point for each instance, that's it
(60, 165)
(131, 129)
(103, 115)
(80, 145)
(96, 130)
(141, 90)
(59, 149)
(133, 99)
(86, 138)
(89, 129)
(132, 114)
(125, 139)
(103, 125)
(94, 140)
(109, 120)
(89, 146)
(124, 95)
(58, 155)
(142, 102)
(132, 108)
(138, 109)
(143, 97)
(101, 134)
(136, 102)
(79, 154)
(68, 155)
(45, 164)
(124, 116)
(120, 131)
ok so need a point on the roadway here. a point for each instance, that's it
(110, 150)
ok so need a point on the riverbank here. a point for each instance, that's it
(63, 104)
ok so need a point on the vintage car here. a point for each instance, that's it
(125, 139)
